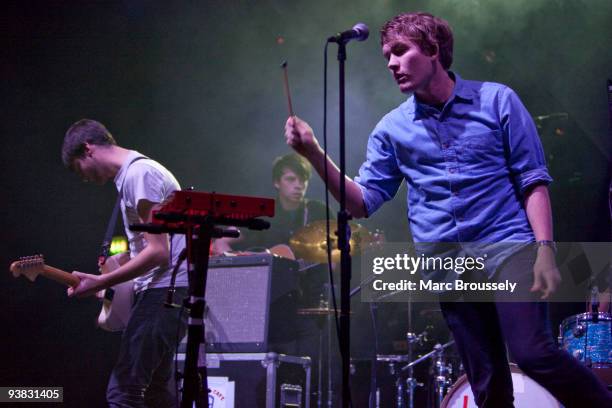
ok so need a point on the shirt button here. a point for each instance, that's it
(445, 145)
(452, 170)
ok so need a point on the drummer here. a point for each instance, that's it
(290, 176)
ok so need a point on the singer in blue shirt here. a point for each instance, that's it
(476, 173)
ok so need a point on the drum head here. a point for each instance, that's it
(527, 393)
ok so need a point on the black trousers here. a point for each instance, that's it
(143, 375)
(483, 329)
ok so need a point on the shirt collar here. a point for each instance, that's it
(461, 91)
(120, 176)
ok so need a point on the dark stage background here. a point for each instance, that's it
(197, 86)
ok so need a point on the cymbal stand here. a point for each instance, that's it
(330, 391)
(399, 385)
(411, 383)
(411, 338)
(320, 366)
(432, 354)
(323, 304)
(442, 372)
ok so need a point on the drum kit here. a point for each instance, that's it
(428, 373)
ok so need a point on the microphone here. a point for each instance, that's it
(359, 32)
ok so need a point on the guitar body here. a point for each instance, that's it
(116, 301)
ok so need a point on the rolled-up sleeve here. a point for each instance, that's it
(379, 176)
(524, 152)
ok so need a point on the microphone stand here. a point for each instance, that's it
(359, 32)
(344, 233)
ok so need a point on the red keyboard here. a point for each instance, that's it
(186, 203)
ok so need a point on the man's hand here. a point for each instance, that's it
(221, 245)
(300, 137)
(546, 276)
(88, 286)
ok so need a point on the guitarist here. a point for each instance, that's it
(143, 375)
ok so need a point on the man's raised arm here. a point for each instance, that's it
(300, 137)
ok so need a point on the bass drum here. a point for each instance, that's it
(527, 393)
(587, 339)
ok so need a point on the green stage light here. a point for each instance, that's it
(119, 244)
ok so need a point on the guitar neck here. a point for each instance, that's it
(60, 276)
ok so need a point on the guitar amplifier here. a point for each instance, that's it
(250, 303)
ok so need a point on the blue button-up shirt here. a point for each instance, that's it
(467, 165)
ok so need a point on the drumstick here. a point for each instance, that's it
(286, 86)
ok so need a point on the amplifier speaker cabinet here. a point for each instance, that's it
(250, 303)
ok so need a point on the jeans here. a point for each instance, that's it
(481, 328)
(144, 373)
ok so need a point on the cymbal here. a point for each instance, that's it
(316, 311)
(309, 242)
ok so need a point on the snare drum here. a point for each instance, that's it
(587, 341)
(527, 393)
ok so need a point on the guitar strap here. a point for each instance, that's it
(106, 242)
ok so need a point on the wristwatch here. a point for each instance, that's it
(550, 244)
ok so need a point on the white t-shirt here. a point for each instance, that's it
(146, 179)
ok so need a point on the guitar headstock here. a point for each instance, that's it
(29, 266)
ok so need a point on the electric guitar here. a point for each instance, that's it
(116, 301)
